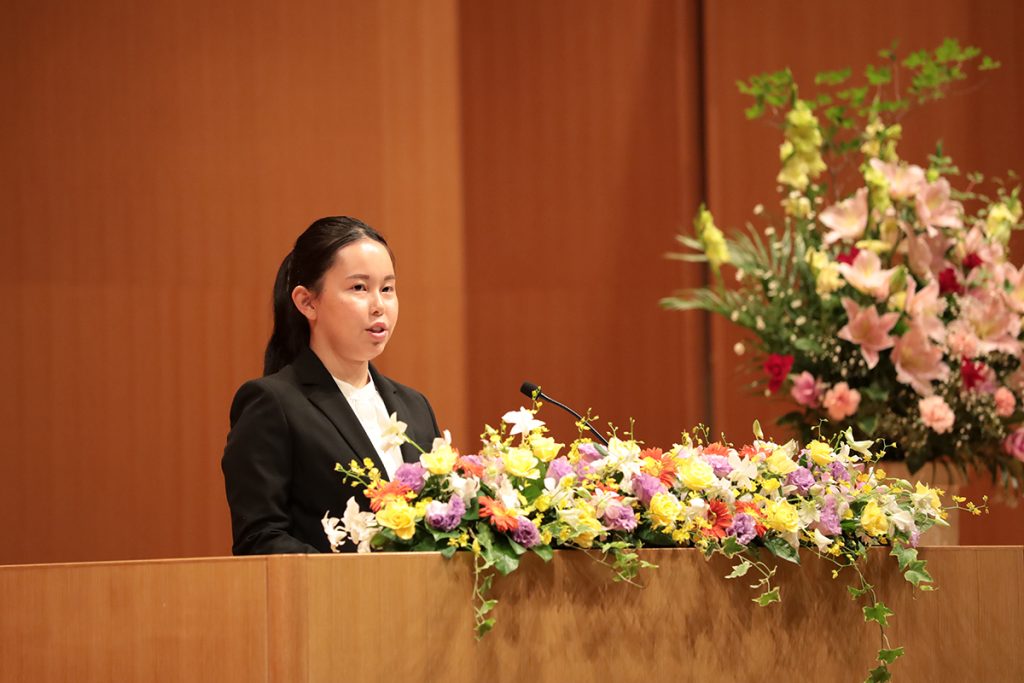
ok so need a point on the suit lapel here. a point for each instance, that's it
(321, 389)
(395, 404)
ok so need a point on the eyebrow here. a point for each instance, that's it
(360, 276)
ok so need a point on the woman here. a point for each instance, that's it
(320, 401)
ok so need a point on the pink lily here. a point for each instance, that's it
(868, 330)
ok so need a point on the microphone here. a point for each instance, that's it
(532, 390)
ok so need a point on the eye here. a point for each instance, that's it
(388, 289)
(360, 287)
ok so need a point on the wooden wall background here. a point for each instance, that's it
(530, 162)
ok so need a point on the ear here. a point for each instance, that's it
(305, 301)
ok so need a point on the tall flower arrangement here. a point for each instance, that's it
(881, 297)
(759, 503)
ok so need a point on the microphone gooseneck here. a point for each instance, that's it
(533, 391)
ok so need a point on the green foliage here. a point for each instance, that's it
(782, 549)
(878, 613)
(740, 569)
(768, 597)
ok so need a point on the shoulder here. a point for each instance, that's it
(267, 393)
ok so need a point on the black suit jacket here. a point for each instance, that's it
(288, 430)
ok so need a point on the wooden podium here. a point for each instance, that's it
(407, 617)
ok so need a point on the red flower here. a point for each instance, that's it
(949, 283)
(971, 261)
(848, 257)
(719, 517)
(659, 465)
(470, 465)
(382, 493)
(777, 366)
(716, 448)
(973, 374)
(501, 517)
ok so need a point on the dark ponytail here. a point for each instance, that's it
(305, 265)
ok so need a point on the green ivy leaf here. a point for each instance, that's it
(740, 569)
(448, 552)
(890, 656)
(483, 627)
(768, 597)
(878, 613)
(731, 547)
(879, 674)
(505, 559)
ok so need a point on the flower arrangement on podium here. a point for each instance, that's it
(881, 298)
(525, 493)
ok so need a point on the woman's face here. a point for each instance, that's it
(356, 310)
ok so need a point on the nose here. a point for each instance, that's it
(376, 304)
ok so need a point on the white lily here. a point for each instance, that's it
(522, 421)
(393, 434)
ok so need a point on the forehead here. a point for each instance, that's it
(366, 257)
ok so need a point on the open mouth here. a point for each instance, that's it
(378, 331)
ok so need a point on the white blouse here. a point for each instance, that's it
(373, 416)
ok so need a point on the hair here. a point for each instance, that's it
(305, 265)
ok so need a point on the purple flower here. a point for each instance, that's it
(801, 478)
(589, 453)
(619, 517)
(743, 528)
(526, 533)
(915, 538)
(838, 471)
(719, 463)
(558, 468)
(413, 475)
(828, 520)
(645, 486)
(445, 516)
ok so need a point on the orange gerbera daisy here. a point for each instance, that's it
(716, 448)
(719, 517)
(381, 493)
(470, 465)
(501, 517)
(658, 464)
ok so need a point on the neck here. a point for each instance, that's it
(356, 373)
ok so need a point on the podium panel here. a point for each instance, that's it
(408, 617)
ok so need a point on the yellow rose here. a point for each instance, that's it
(519, 462)
(441, 460)
(545, 448)
(780, 463)
(821, 452)
(665, 509)
(695, 474)
(400, 517)
(873, 519)
(781, 516)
